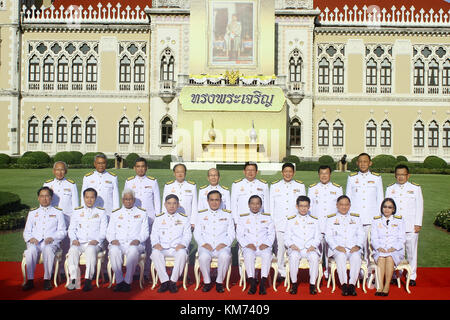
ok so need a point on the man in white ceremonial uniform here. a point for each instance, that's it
(243, 189)
(87, 233)
(213, 178)
(344, 234)
(146, 191)
(365, 190)
(302, 238)
(105, 183)
(283, 195)
(127, 232)
(171, 235)
(323, 196)
(65, 196)
(44, 230)
(214, 234)
(186, 191)
(409, 200)
(255, 233)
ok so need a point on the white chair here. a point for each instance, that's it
(58, 257)
(214, 264)
(141, 264)
(258, 264)
(304, 264)
(100, 259)
(332, 265)
(170, 262)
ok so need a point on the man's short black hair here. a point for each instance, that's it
(323, 167)
(90, 190)
(343, 197)
(179, 164)
(171, 196)
(288, 165)
(249, 163)
(364, 154)
(140, 159)
(45, 188)
(214, 192)
(302, 199)
(401, 166)
(255, 197)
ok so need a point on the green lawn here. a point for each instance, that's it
(434, 248)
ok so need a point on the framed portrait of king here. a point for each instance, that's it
(232, 32)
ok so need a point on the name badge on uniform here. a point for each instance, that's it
(263, 221)
(150, 187)
(67, 190)
(332, 192)
(223, 219)
(178, 222)
(259, 189)
(370, 181)
(296, 190)
(95, 216)
(107, 181)
(411, 192)
(189, 191)
(52, 216)
(395, 225)
(137, 216)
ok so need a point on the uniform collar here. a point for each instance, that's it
(248, 181)
(325, 184)
(288, 182)
(57, 180)
(100, 174)
(214, 187)
(364, 174)
(45, 208)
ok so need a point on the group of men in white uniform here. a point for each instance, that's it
(315, 224)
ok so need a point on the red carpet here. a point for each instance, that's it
(433, 284)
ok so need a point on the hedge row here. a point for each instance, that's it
(443, 219)
(9, 202)
(14, 220)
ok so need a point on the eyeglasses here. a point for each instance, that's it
(388, 207)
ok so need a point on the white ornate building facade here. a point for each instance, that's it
(315, 78)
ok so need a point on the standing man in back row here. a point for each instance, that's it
(365, 190)
(213, 178)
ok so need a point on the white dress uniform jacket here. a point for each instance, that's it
(107, 189)
(203, 194)
(65, 195)
(186, 192)
(365, 191)
(323, 200)
(242, 190)
(386, 234)
(146, 192)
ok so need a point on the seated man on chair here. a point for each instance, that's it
(345, 238)
(255, 233)
(214, 234)
(87, 233)
(302, 239)
(44, 230)
(127, 232)
(171, 235)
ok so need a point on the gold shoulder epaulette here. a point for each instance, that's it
(151, 178)
(100, 208)
(377, 217)
(131, 178)
(227, 211)
(71, 181)
(57, 208)
(291, 217)
(35, 208)
(390, 185)
(244, 214)
(238, 180)
(116, 210)
(353, 174)
(183, 214)
(191, 182)
(203, 187)
(112, 173)
(354, 214)
(312, 185)
(376, 174)
(397, 217)
(170, 182)
(48, 181)
(89, 173)
(141, 208)
(226, 188)
(331, 215)
(80, 207)
(204, 210)
(276, 181)
(299, 181)
(336, 184)
(263, 181)
(313, 217)
(265, 213)
(416, 184)
(159, 215)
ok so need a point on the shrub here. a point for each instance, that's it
(351, 165)
(401, 159)
(443, 219)
(8, 202)
(4, 158)
(292, 159)
(130, 159)
(158, 164)
(433, 162)
(64, 156)
(88, 158)
(383, 161)
(26, 160)
(14, 220)
(76, 156)
(326, 160)
(168, 159)
(309, 166)
(40, 156)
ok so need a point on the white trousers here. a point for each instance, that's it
(341, 265)
(249, 261)
(116, 254)
(32, 255)
(280, 250)
(294, 261)
(365, 247)
(223, 262)
(73, 259)
(158, 258)
(411, 252)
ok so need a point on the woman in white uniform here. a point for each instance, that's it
(388, 242)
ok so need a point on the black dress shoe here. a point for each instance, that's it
(378, 293)
(206, 287)
(219, 288)
(294, 288)
(252, 289)
(412, 283)
(173, 287)
(312, 289)
(344, 290)
(262, 286)
(384, 294)
(28, 285)
(118, 287)
(48, 285)
(351, 290)
(87, 285)
(280, 279)
(126, 287)
(164, 287)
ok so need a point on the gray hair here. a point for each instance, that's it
(128, 191)
(65, 164)
(100, 155)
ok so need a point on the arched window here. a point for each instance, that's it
(49, 69)
(47, 130)
(34, 70)
(419, 131)
(446, 135)
(338, 133)
(91, 131)
(77, 69)
(167, 66)
(433, 134)
(433, 73)
(385, 134)
(166, 131)
(61, 130)
(295, 133)
(371, 73)
(76, 132)
(386, 73)
(323, 136)
(419, 71)
(295, 66)
(139, 70)
(63, 70)
(338, 72)
(446, 74)
(371, 134)
(124, 131)
(125, 70)
(33, 131)
(91, 70)
(138, 131)
(324, 72)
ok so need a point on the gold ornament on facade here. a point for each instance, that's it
(232, 76)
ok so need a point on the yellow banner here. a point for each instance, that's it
(202, 98)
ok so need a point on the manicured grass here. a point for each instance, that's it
(434, 250)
